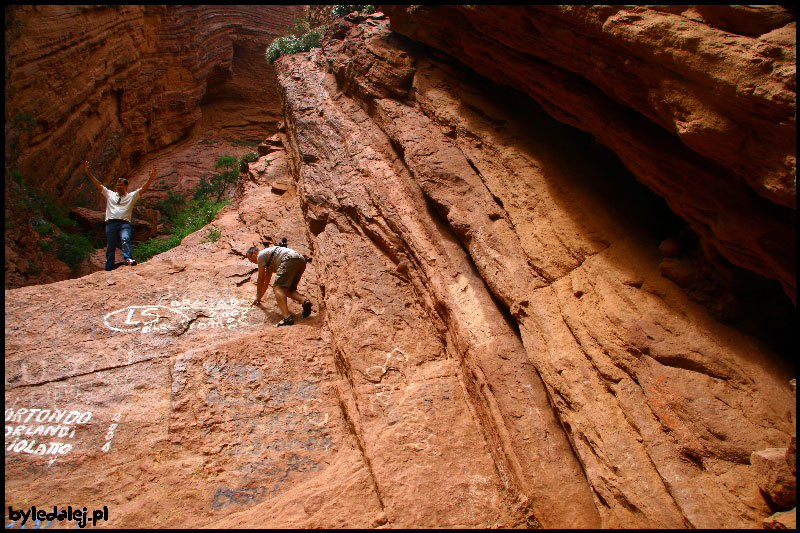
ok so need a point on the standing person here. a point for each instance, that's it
(289, 265)
(119, 209)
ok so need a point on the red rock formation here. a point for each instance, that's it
(704, 117)
(398, 158)
(119, 85)
(492, 342)
(126, 81)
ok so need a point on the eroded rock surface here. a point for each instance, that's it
(126, 87)
(492, 345)
(182, 405)
(399, 158)
(697, 104)
(129, 81)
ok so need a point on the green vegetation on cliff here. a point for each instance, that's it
(307, 30)
(50, 219)
(182, 217)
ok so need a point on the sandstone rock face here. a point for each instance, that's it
(400, 158)
(703, 116)
(775, 476)
(125, 87)
(784, 520)
(126, 81)
(492, 342)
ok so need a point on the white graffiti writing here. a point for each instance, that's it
(64, 428)
(180, 315)
(110, 432)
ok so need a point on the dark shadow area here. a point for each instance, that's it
(749, 302)
(745, 300)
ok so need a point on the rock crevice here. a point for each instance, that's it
(496, 337)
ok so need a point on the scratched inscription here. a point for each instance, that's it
(265, 428)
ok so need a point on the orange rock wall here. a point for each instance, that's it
(454, 220)
(114, 84)
(125, 87)
(698, 102)
(492, 342)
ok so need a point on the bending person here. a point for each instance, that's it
(289, 266)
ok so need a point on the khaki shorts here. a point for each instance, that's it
(289, 272)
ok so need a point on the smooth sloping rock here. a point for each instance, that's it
(173, 401)
(492, 343)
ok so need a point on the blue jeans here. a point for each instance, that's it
(118, 233)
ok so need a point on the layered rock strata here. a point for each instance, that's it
(125, 87)
(699, 103)
(400, 157)
(492, 343)
(126, 81)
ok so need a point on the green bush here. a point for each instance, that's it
(41, 226)
(225, 161)
(203, 188)
(191, 218)
(291, 44)
(72, 248)
(168, 207)
(249, 157)
(35, 267)
(46, 245)
(242, 142)
(340, 11)
(214, 234)
(42, 206)
(307, 30)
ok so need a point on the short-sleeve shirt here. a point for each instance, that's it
(280, 253)
(120, 208)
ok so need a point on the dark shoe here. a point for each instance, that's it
(288, 321)
(306, 308)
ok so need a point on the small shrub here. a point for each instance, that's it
(63, 221)
(196, 213)
(49, 217)
(279, 47)
(214, 234)
(340, 11)
(225, 161)
(41, 226)
(191, 218)
(249, 157)
(72, 248)
(242, 142)
(291, 44)
(46, 210)
(203, 188)
(34, 267)
(168, 207)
